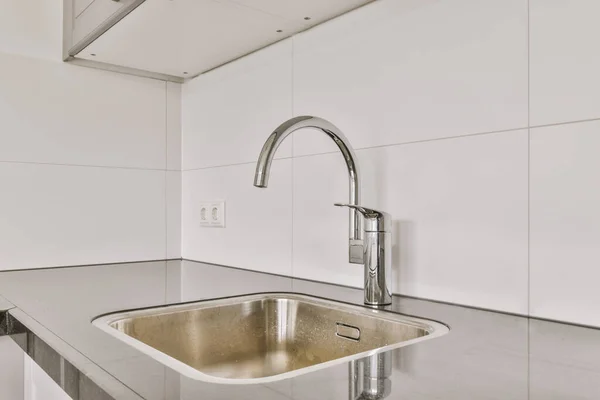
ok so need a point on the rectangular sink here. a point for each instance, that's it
(263, 337)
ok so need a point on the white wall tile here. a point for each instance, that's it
(173, 165)
(257, 233)
(565, 84)
(565, 222)
(11, 369)
(173, 213)
(460, 218)
(63, 215)
(59, 113)
(228, 113)
(173, 126)
(401, 71)
(32, 28)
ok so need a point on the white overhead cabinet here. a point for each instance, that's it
(179, 39)
(86, 20)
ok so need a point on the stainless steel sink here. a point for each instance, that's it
(263, 337)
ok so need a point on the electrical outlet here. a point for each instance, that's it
(217, 214)
(212, 214)
(205, 214)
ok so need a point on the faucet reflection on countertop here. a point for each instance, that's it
(369, 377)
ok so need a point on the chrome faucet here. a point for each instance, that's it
(377, 256)
(375, 252)
(261, 178)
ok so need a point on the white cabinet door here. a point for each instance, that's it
(11, 370)
(85, 16)
(79, 6)
(38, 385)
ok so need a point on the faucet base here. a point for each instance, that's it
(378, 268)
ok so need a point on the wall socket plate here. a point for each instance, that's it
(212, 214)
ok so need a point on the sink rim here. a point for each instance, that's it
(103, 322)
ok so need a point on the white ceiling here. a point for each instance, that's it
(177, 36)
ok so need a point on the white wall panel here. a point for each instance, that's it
(228, 113)
(64, 114)
(394, 73)
(32, 28)
(565, 84)
(565, 222)
(11, 370)
(54, 119)
(258, 222)
(459, 210)
(62, 215)
(388, 73)
(173, 115)
(173, 213)
(403, 71)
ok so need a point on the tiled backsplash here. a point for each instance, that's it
(565, 222)
(89, 160)
(444, 102)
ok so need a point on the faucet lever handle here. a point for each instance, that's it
(375, 221)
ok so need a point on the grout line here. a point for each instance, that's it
(528, 67)
(383, 145)
(166, 178)
(292, 235)
(166, 280)
(418, 141)
(361, 148)
(166, 215)
(356, 149)
(528, 249)
(528, 198)
(166, 126)
(528, 175)
(528, 166)
(292, 180)
(231, 165)
(399, 144)
(80, 165)
(579, 121)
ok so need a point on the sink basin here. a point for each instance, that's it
(263, 337)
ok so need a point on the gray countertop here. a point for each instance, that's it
(486, 355)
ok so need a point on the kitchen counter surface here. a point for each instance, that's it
(486, 355)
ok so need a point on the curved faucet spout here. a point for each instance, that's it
(261, 178)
